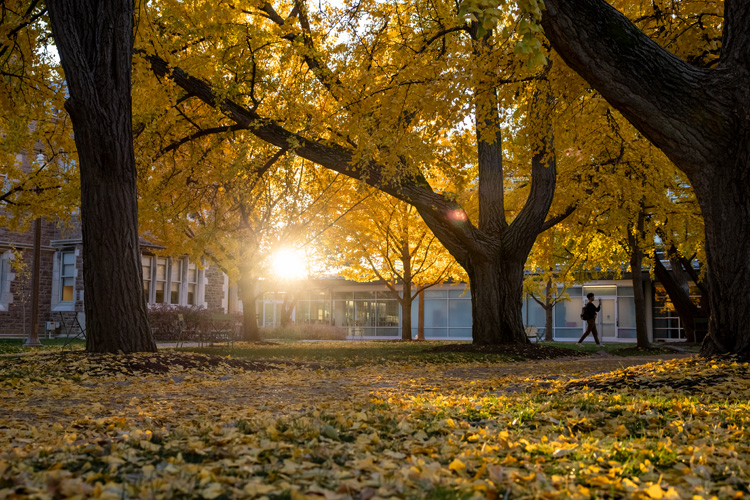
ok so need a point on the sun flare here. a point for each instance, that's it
(289, 264)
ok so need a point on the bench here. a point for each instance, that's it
(219, 328)
(532, 332)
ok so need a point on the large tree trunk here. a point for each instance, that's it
(726, 207)
(636, 270)
(95, 43)
(420, 316)
(549, 333)
(287, 308)
(406, 298)
(248, 295)
(406, 316)
(496, 302)
(549, 306)
(699, 117)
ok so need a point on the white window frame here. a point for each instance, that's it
(182, 299)
(188, 283)
(63, 277)
(148, 278)
(177, 279)
(6, 277)
(57, 280)
(161, 261)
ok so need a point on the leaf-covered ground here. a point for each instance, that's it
(78, 426)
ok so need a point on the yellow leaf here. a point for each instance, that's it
(561, 452)
(655, 491)
(629, 485)
(457, 465)
(256, 489)
(672, 494)
(211, 491)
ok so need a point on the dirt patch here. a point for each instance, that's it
(517, 351)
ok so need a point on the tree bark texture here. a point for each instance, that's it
(287, 308)
(405, 302)
(496, 302)
(406, 318)
(699, 117)
(420, 316)
(95, 43)
(639, 297)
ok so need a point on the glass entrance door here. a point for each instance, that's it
(271, 314)
(606, 320)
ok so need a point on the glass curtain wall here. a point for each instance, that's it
(568, 324)
(314, 308)
(377, 314)
(367, 313)
(447, 314)
(566, 317)
(626, 313)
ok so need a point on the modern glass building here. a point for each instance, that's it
(616, 320)
(369, 311)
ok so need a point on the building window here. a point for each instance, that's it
(146, 266)
(175, 281)
(5, 278)
(161, 280)
(67, 275)
(192, 283)
(170, 281)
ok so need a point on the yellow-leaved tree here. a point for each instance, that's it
(629, 198)
(401, 95)
(222, 195)
(38, 176)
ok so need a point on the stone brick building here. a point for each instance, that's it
(166, 280)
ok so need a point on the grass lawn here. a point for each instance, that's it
(371, 421)
(350, 353)
(374, 352)
(14, 346)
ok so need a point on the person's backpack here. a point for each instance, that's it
(583, 312)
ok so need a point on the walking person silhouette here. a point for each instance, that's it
(589, 315)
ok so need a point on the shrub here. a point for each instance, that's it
(304, 332)
(165, 323)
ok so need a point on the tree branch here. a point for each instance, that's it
(553, 221)
(198, 135)
(671, 102)
(441, 214)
